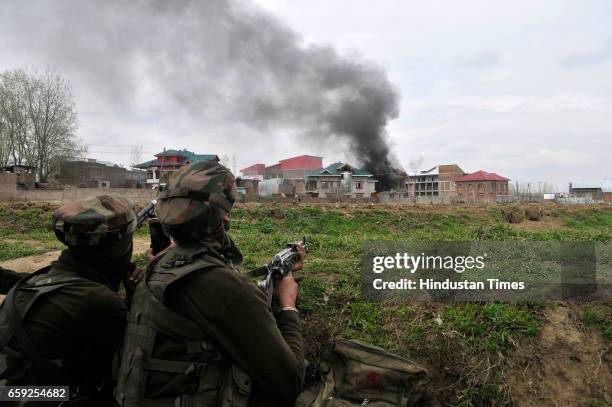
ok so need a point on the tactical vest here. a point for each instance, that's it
(23, 364)
(213, 378)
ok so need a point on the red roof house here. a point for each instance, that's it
(291, 168)
(302, 162)
(255, 169)
(481, 186)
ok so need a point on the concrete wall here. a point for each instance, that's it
(276, 186)
(71, 194)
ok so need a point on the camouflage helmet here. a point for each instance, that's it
(94, 221)
(196, 198)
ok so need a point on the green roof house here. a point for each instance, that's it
(169, 161)
(340, 180)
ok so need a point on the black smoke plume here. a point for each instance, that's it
(214, 58)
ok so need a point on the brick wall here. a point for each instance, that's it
(481, 191)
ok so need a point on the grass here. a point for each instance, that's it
(599, 317)
(13, 250)
(453, 338)
(495, 327)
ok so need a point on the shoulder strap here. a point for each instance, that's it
(175, 265)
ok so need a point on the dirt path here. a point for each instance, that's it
(30, 264)
(568, 366)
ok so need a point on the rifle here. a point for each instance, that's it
(278, 268)
(159, 240)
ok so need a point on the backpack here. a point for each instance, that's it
(360, 374)
(208, 371)
(26, 364)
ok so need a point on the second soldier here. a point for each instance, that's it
(200, 333)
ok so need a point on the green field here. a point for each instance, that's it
(473, 351)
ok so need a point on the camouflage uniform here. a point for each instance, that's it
(199, 333)
(62, 325)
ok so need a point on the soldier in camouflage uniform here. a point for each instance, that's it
(62, 324)
(200, 333)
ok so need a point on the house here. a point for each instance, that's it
(255, 171)
(593, 191)
(90, 173)
(481, 186)
(340, 180)
(294, 168)
(169, 161)
(436, 182)
(298, 167)
(23, 176)
(273, 171)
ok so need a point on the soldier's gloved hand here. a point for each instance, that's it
(286, 291)
(299, 264)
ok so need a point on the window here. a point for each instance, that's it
(358, 185)
(312, 185)
(324, 184)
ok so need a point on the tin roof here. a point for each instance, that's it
(604, 185)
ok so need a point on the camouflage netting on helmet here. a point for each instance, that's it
(196, 199)
(94, 221)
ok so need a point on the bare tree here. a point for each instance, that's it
(39, 119)
(14, 117)
(5, 150)
(136, 155)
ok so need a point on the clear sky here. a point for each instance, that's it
(519, 88)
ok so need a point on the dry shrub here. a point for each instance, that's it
(535, 214)
(513, 214)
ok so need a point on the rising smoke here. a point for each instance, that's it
(219, 58)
